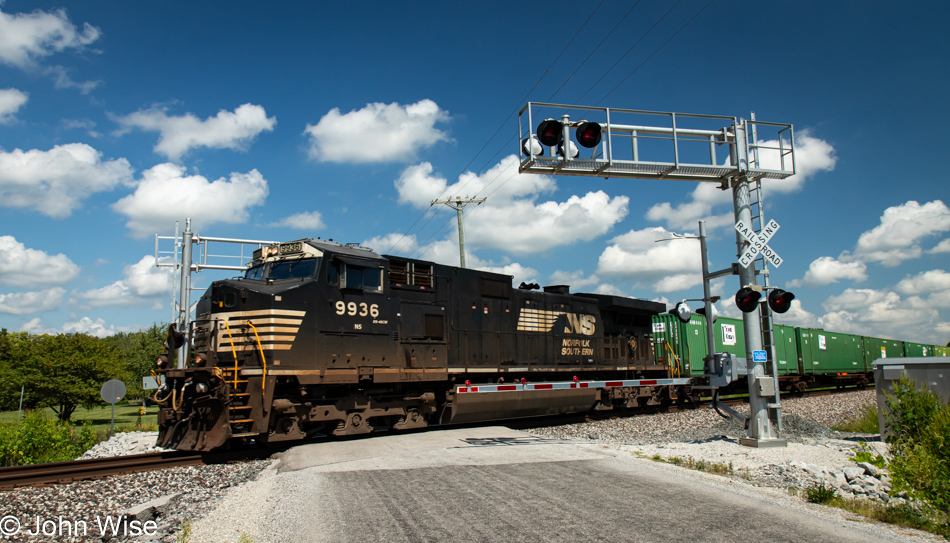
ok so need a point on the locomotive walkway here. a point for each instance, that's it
(496, 484)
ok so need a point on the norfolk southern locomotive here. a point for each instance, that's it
(324, 338)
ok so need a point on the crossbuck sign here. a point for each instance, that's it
(758, 244)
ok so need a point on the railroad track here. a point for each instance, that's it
(97, 468)
(80, 470)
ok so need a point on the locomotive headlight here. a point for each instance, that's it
(162, 361)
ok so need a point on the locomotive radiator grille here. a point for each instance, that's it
(537, 320)
(277, 328)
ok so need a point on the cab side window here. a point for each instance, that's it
(333, 272)
(354, 277)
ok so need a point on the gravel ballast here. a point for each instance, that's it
(186, 494)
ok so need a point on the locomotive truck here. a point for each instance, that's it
(321, 338)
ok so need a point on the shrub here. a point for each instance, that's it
(865, 423)
(865, 454)
(39, 439)
(919, 435)
(820, 494)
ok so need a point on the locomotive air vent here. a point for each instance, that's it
(557, 289)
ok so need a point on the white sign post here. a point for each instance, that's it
(758, 244)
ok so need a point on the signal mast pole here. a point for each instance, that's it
(676, 144)
(457, 205)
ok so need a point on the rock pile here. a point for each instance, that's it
(123, 444)
(860, 480)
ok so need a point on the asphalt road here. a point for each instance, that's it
(500, 485)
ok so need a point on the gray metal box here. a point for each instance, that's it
(932, 372)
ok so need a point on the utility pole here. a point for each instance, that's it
(457, 204)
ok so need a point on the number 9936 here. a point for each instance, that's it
(353, 309)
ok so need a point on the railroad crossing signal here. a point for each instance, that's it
(747, 299)
(758, 244)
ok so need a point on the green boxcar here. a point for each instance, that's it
(786, 349)
(686, 341)
(940, 350)
(875, 348)
(730, 336)
(918, 349)
(822, 352)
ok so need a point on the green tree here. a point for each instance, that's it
(68, 371)
(16, 355)
(919, 434)
(137, 352)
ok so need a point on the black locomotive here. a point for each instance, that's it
(324, 338)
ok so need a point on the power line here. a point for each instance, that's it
(629, 50)
(655, 52)
(515, 110)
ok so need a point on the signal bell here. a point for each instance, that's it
(715, 312)
(682, 312)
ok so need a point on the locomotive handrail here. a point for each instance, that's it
(261, 349)
(233, 351)
(679, 370)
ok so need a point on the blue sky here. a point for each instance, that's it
(303, 119)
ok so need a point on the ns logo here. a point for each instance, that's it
(578, 324)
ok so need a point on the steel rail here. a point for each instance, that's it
(96, 468)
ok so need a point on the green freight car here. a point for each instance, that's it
(684, 344)
(876, 348)
(831, 357)
(918, 349)
(786, 350)
(681, 345)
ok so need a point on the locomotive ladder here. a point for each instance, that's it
(239, 398)
(761, 267)
(239, 408)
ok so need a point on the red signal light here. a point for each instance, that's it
(780, 300)
(588, 134)
(550, 132)
(747, 299)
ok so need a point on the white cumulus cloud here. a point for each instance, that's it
(165, 195)
(902, 228)
(87, 326)
(25, 38)
(180, 134)
(377, 133)
(812, 155)
(942, 247)
(11, 100)
(23, 267)
(142, 282)
(312, 220)
(512, 219)
(881, 313)
(55, 182)
(25, 303)
(825, 270)
(667, 266)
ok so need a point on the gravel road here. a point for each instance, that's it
(698, 434)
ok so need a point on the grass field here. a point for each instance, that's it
(126, 417)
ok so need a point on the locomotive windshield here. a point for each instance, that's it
(288, 269)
